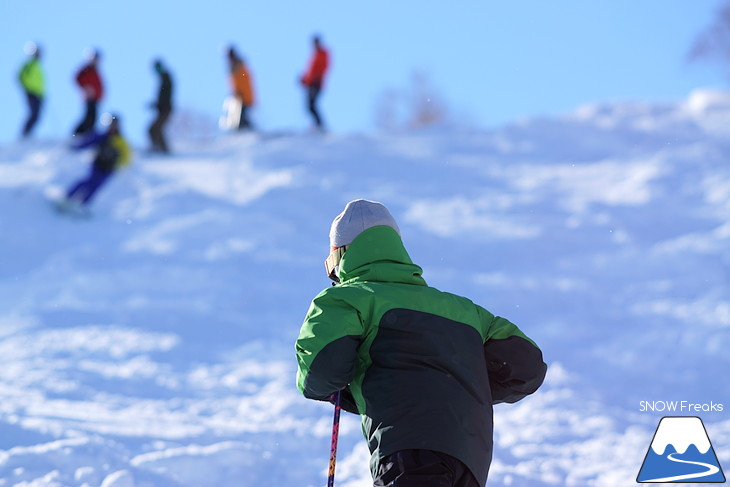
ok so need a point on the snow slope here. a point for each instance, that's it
(152, 344)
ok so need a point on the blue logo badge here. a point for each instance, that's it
(680, 452)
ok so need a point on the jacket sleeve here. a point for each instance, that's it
(93, 139)
(327, 347)
(514, 362)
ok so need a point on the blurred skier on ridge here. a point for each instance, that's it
(33, 82)
(242, 87)
(313, 79)
(92, 88)
(112, 153)
(163, 105)
(421, 366)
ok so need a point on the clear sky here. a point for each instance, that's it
(492, 62)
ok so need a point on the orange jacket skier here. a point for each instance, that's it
(242, 86)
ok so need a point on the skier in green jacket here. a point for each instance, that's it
(32, 80)
(421, 366)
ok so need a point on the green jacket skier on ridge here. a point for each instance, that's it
(31, 77)
(422, 367)
(32, 80)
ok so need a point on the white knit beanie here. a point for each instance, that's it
(359, 215)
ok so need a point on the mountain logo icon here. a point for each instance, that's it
(680, 452)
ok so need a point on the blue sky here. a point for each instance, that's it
(492, 62)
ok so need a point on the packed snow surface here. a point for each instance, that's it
(151, 344)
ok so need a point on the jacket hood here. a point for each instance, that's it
(378, 254)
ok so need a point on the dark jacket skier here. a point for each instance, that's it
(163, 105)
(421, 366)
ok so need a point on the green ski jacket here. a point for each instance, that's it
(31, 78)
(421, 366)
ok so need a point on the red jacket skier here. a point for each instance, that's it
(89, 81)
(317, 65)
(313, 79)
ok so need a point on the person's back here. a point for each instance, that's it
(423, 367)
(426, 386)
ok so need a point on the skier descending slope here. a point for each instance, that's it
(421, 366)
(112, 153)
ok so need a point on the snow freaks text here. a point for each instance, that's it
(680, 407)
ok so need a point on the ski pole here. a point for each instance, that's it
(333, 446)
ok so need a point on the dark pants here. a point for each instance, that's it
(243, 122)
(84, 190)
(313, 92)
(87, 123)
(156, 130)
(34, 106)
(422, 468)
